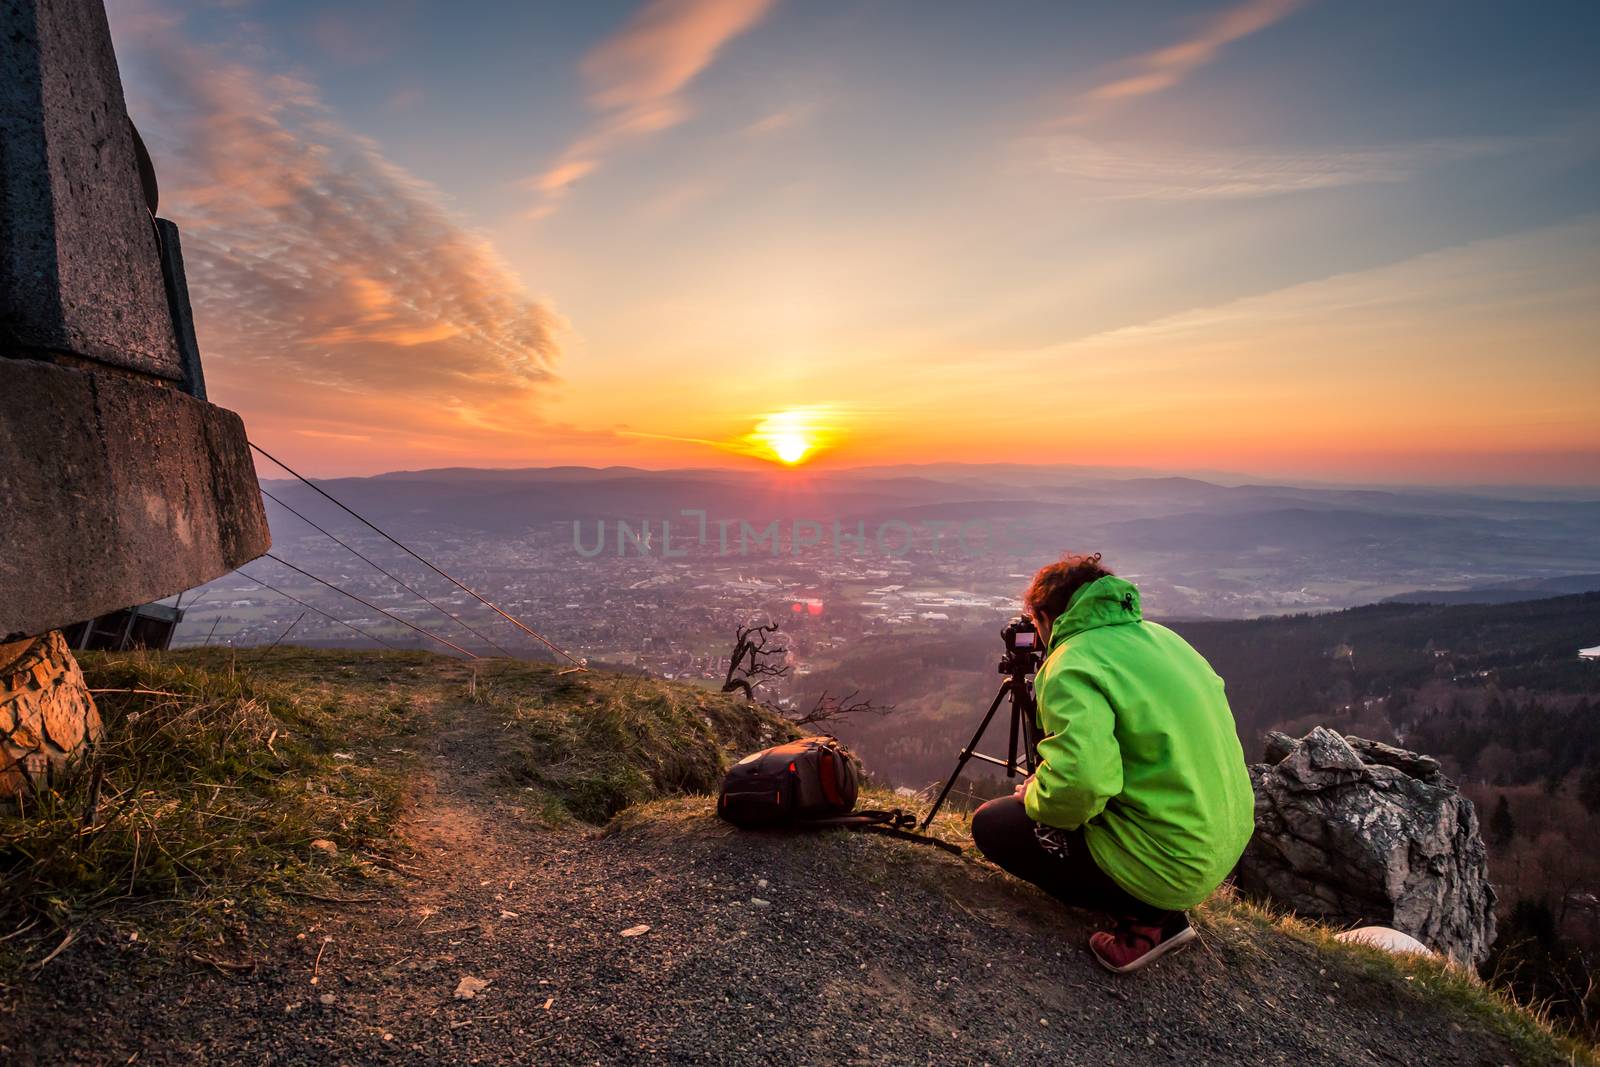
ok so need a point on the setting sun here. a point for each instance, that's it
(791, 447)
(791, 436)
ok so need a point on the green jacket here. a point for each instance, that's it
(1140, 750)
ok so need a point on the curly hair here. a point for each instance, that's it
(1052, 588)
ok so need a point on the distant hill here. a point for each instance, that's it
(1373, 669)
(1385, 664)
(1503, 592)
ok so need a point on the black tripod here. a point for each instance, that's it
(1018, 664)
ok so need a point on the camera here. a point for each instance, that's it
(1023, 652)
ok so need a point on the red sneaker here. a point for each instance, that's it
(1134, 945)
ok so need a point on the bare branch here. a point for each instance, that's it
(829, 707)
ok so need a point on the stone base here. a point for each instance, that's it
(116, 490)
(47, 715)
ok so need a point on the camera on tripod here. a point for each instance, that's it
(1022, 654)
(1018, 663)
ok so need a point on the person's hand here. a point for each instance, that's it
(1022, 787)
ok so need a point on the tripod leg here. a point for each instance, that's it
(1031, 733)
(966, 754)
(1016, 726)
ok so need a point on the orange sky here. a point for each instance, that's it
(1092, 239)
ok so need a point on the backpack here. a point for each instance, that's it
(805, 780)
(810, 783)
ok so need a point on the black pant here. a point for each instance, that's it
(1061, 864)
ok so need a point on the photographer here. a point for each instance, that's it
(1141, 804)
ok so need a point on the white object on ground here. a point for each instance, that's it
(470, 987)
(1388, 939)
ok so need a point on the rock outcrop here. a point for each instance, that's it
(47, 714)
(1355, 832)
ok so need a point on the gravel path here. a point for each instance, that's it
(760, 949)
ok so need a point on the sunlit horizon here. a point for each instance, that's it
(1269, 238)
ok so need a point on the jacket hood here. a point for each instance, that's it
(1105, 601)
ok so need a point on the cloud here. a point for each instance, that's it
(635, 79)
(1160, 70)
(333, 292)
(328, 435)
(1135, 171)
(1471, 362)
(404, 100)
(1462, 316)
(782, 119)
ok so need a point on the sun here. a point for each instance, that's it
(790, 447)
(790, 437)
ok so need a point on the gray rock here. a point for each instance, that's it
(1355, 832)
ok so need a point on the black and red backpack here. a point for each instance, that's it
(812, 778)
(812, 782)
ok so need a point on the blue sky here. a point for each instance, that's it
(657, 223)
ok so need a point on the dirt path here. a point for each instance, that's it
(760, 949)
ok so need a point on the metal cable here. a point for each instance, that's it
(394, 578)
(524, 627)
(404, 622)
(319, 611)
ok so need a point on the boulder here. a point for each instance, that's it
(47, 714)
(1355, 833)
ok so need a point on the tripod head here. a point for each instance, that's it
(1018, 663)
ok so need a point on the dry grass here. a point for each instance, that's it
(205, 794)
(1432, 983)
(202, 797)
(592, 744)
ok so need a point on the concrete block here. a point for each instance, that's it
(116, 490)
(194, 380)
(80, 270)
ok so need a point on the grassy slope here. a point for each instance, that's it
(206, 792)
(218, 771)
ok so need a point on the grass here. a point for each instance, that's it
(589, 745)
(203, 798)
(217, 771)
(221, 777)
(1430, 983)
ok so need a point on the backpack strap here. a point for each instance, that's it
(895, 819)
(895, 823)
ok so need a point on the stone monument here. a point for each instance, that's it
(119, 483)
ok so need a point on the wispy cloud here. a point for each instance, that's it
(1160, 70)
(1474, 361)
(782, 119)
(332, 289)
(328, 435)
(1509, 295)
(1136, 171)
(635, 80)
